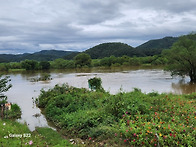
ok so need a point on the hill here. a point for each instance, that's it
(150, 48)
(116, 48)
(44, 55)
(154, 47)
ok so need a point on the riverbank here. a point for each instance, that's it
(16, 134)
(132, 118)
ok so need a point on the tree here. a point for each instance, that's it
(82, 59)
(95, 84)
(4, 87)
(44, 65)
(29, 64)
(182, 57)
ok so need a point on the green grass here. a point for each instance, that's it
(14, 134)
(16, 70)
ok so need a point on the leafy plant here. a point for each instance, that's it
(4, 87)
(95, 83)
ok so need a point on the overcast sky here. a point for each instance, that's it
(34, 25)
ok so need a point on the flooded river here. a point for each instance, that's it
(24, 91)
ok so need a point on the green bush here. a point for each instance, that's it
(132, 118)
(14, 113)
(95, 83)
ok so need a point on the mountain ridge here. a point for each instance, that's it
(149, 48)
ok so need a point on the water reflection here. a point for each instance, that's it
(183, 87)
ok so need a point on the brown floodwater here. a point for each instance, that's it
(115, 80)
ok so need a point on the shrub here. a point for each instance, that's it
(95, 84)
(14, 113)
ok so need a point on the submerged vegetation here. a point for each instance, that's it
(132, 118)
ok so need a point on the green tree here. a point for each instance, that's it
(44, 65)
(29, 64)
(82, 59)
(95, 84)
(4, 87)
(182, 57)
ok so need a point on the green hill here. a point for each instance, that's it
(116, 48)
(150, 48)
(154, 47)
(44, 55)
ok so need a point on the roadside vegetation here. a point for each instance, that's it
(132, 118)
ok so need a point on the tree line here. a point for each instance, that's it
(179, 60)
(83, 60)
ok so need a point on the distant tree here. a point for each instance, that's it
(4, 87)
(82, 59)
(29, 64)
(62, 64)
(44, 65)
(182, 57)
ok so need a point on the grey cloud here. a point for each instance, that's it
(78, 25)
(177, 6)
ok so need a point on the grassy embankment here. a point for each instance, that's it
(132, 118)
(14, 134)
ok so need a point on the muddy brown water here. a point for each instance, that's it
(113, 80)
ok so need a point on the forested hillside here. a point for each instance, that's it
(155, 47)
(44, 55)
(117, 49)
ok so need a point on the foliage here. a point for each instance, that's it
(132, 118)
(82, 59)
(95, 83)
(23, 136)
(4, 87)
(14, 113)
(62, 64)
(111, 61)
(44, 65)
(43, 77)
(182, 57)
(171, 122)
(29, 64)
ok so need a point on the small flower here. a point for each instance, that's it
(134, 134)
(165, 137)
(115, 134)
(160, 134)
(170, 134)
(133, 140)
(4, 124)
(125, 140)
(30, 142)
(90, 138)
